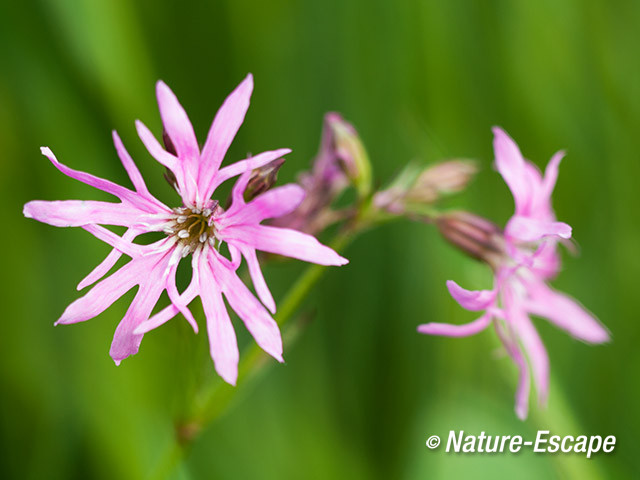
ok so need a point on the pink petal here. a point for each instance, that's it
(177, 124)
(107, 264)
(545, 260)
(538, 357)
(222, 338)
(524, 385)
(472, 300)
(273, 203)
(179, 128)
(76, 213)
(449, 330)
(283, 241)
(533, 346)
(223, 129)
(566, 313)
(236, 256)
(531, 229)
(156, 150)
(539, 205)
(107, 291)
(551, 174)
(257, 320)
(117, 242)
(237, 194)
(160, 154)
(119, 191)
(131, 168)
(177, 299)
(524, 381)
(125, 341)
(242, 166)
(511, 166)
(167, 313)
(258, 279)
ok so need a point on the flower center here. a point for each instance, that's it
(192, 228)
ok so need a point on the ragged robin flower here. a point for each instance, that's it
(196, 228)
(523, 258)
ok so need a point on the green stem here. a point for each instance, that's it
(214, 401)
(169, 461)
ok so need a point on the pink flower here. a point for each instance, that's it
(523, 258)
(196, 228)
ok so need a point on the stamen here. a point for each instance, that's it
(192, 228)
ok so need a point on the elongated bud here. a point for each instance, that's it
(442, 179)
(169, 176)
(171, 179)
(168, 144)
(473, 235)
(416, 187)
(262, 179)
(350, 152)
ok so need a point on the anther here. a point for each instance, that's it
(183, 233)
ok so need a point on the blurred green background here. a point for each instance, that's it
(361, 391)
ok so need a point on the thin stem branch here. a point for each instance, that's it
(214, 401)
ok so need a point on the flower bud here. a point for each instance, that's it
(473, 235)
(168, 144)
(416, 187)
(340, 161)
(262, 179)
(350, 153)
(442, 179)
(169, 176)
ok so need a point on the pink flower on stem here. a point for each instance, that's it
(196, 228)
(523, 258)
